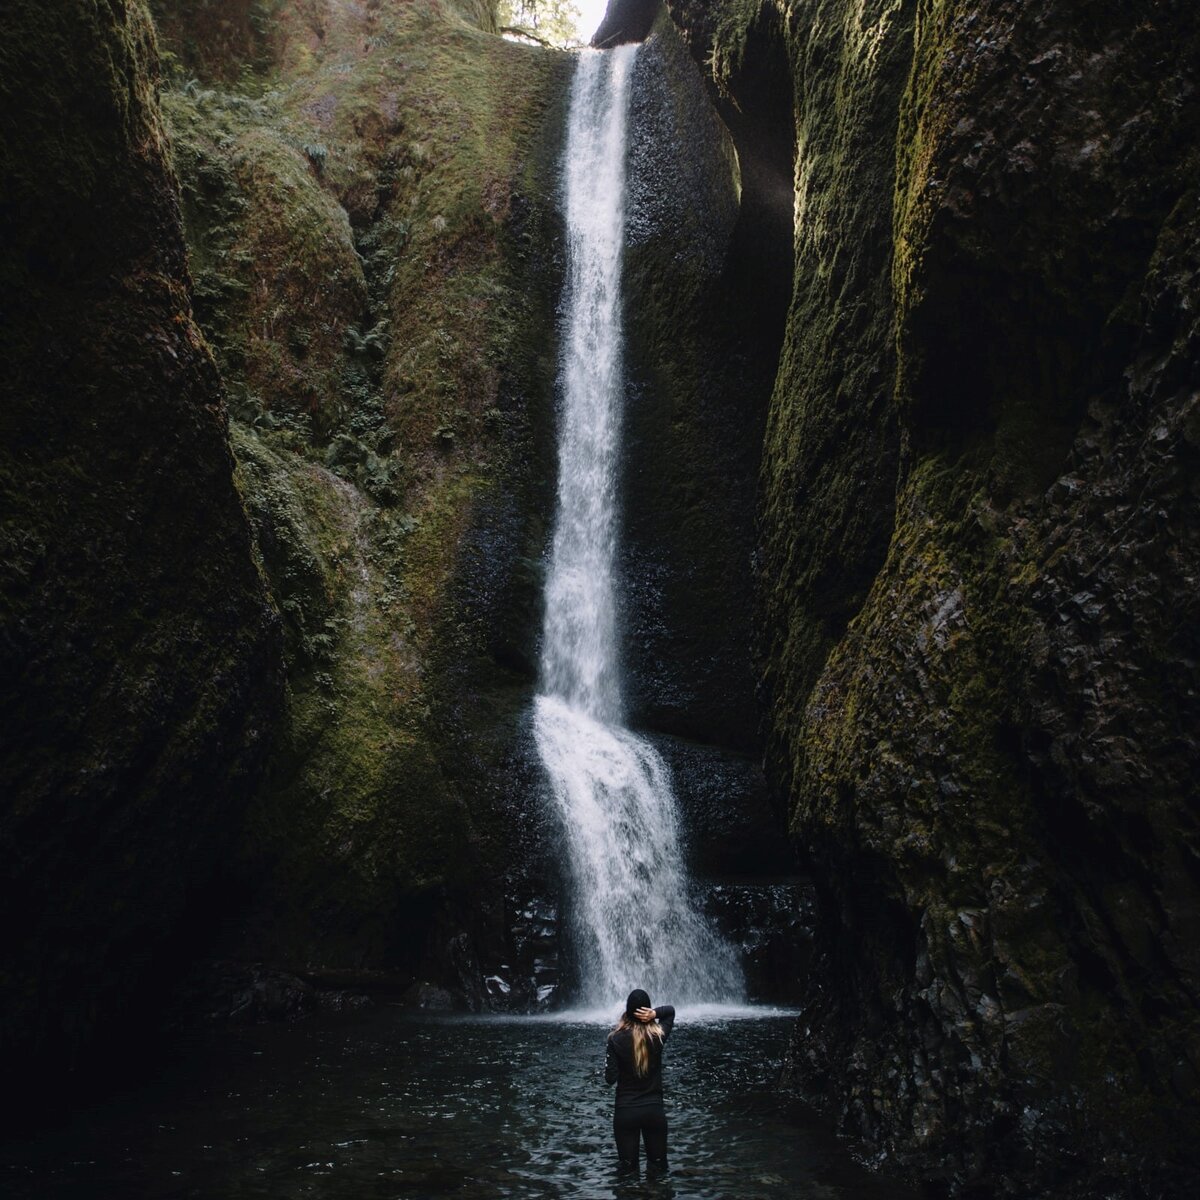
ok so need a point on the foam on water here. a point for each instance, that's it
(690, 1016)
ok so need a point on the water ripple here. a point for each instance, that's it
(379, 1106)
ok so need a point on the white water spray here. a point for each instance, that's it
(634, 925)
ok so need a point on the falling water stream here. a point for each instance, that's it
(632, 920)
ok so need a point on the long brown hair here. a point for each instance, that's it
(642, 1032)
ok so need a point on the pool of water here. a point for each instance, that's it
(385, 1104)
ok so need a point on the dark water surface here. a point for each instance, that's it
(384, 1104)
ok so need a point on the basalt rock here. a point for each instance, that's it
(626, 21)
(702, 339)
(977, 559)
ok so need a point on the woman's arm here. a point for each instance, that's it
(665, 1016)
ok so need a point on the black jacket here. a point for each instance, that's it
(635, 1090)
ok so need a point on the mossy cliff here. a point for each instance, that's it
(140, 656)
(977, 557)
(270, 572)
(371, 221)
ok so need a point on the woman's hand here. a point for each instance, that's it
(645, 1015)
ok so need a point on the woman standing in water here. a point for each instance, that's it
(633, 1061)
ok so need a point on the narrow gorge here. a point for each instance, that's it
(488, 524)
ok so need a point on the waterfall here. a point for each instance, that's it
(633, 923)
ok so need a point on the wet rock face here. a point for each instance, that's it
(771, 921)
(728, 824)
(139, 656)
(987, 727)
(813, 103)
(701, 340)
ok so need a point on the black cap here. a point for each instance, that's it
(637, 999)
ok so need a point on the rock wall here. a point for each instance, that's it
(375, 244)
(140, 658)
(268, 706)
(976, 558)
(703, 333)
(693, 413)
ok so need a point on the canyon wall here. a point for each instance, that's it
(141, 657)
(977, 560)
(274, 505)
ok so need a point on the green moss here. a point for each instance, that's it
(226, 40)
(733, 26)
(830, 451)
(357, 229)
(344, 821)
(279, 282)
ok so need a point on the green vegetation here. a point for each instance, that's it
(360, 229)
(551, 22)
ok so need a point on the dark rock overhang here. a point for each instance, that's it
(626, 21)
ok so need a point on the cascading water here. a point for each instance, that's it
(633, 922)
